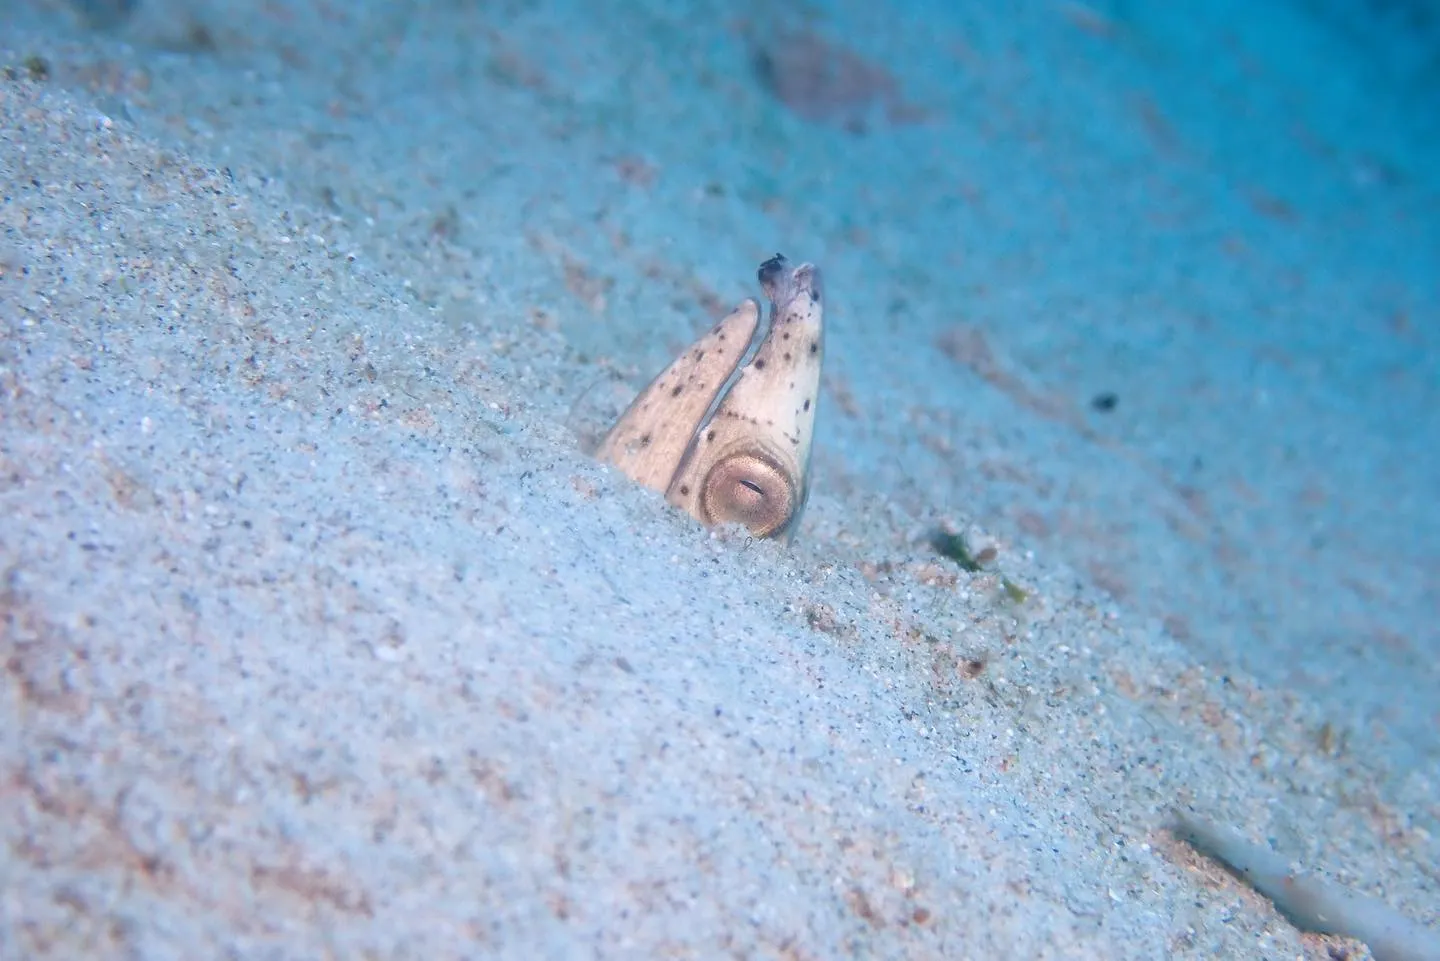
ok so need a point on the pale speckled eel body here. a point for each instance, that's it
(729, 443)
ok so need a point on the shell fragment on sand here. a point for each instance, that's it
(1313, 904)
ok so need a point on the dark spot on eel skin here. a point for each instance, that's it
(807, 404)
(644, 440)
(684, 490)
(787, 356)
(785, 336)
(677, 390)
(710, 435)
(699, 355)
(814, 348)
(760, 364)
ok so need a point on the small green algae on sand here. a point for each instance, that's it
(951, 545)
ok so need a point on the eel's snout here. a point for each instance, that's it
(783, 285)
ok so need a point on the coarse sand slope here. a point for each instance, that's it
(322, 635)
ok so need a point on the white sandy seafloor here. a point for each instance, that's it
(323, 637)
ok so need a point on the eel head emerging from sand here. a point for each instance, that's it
(731, 443)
